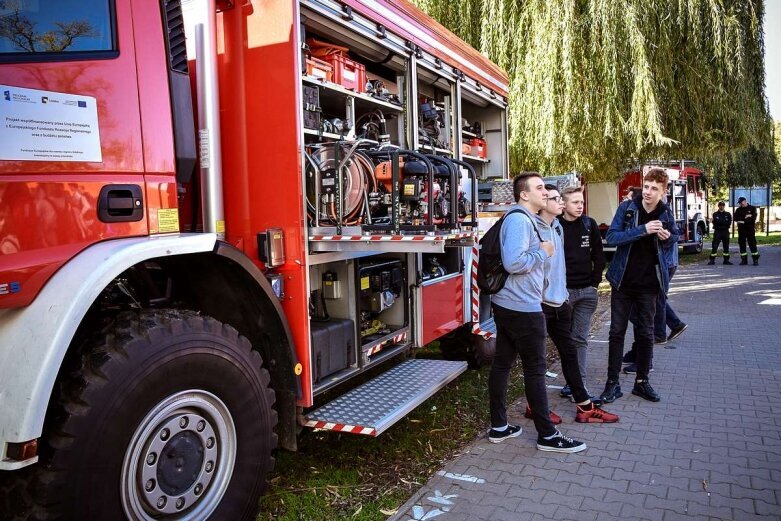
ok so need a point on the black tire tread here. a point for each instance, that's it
(30, 494)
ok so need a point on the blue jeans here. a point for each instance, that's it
(521, 334)
(642, 308)
(584, 303)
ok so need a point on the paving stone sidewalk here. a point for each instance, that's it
(710, 450)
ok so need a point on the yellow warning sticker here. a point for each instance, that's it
(364, 283)
(168, 220)
(220, 226)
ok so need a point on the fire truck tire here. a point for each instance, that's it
(169, 415)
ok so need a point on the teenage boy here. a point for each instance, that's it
(585, 262)
(558, 314)
(641, 228)
(520, 323)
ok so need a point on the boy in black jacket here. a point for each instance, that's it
(585, 262)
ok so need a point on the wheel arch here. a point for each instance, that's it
(46, 330)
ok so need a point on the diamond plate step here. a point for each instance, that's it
(377, 404)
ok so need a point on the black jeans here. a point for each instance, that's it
(642, 308)
(746, 234)
(558, 322)
(720, 236)
(521, 334)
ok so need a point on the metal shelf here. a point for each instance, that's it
(359, 97)
(390, 243)
(327, 135)
(475, 159)
(427, 148)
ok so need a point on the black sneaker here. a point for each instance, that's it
(632, 369)
(629, 357)
(660, 340)
(566, 392)
(612, 392)
(643, 389)
(676, 332)
(756, 260)
(711, 262)
(512, 431)
(559, 443)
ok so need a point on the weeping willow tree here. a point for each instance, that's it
(600, 84)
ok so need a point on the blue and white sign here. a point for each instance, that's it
(755, 195)
(40, 125)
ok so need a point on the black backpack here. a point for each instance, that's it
(491, 274)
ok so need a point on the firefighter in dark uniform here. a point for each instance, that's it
(722, 220)
(745, 217)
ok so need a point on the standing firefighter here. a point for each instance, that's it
(745, 217)
(722, 220)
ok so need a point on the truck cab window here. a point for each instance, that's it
(35, 30)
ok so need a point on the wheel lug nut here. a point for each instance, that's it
(210, 443)
(198, 489)
(183, 422)
(161, 502)
(180, 503)
(209, 466)
(150, 485)
(164, 434)
(200, 426)
(151, 458)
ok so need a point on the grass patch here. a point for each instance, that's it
(342, 476)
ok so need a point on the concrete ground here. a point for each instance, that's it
(710, 450)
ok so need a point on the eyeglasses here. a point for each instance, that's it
(555, 199)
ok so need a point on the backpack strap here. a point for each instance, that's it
(534, 226)
(516, 210)
(586, 220)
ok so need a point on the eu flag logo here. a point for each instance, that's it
(82, 104)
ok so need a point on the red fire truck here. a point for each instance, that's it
(211, 216)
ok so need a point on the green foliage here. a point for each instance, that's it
(599, 84)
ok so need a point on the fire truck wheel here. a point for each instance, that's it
(168, 416)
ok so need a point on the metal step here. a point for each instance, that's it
(377, 404)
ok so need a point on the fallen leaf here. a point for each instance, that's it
(388, 512)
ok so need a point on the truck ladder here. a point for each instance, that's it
(377, 404)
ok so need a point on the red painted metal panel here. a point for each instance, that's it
(47, 219)
(261, 146)
(442, 307)
(155, 103)
(47, 209)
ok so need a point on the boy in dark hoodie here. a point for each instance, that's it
(641, 228)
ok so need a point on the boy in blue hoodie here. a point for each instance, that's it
(558, 314)
(520, 324)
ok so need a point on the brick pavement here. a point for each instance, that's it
(710, 450)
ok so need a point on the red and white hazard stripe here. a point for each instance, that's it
(475, 296)
(340, 427)
(396, 340)
(393, 238)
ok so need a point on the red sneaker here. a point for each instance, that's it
(555, 419)
(594, 415)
